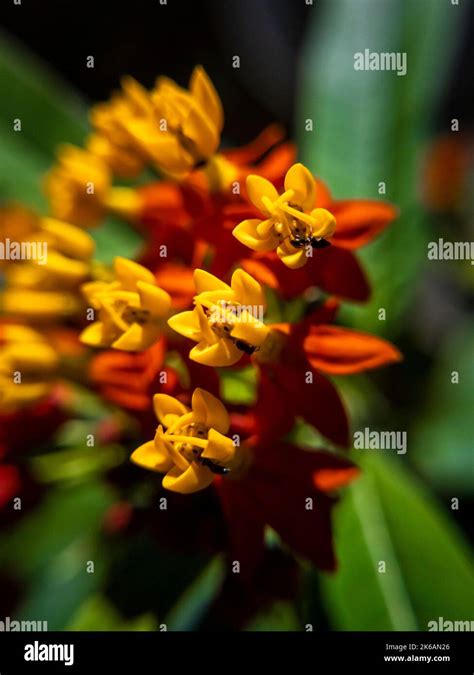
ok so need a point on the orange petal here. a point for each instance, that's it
(359, 221)
(341, 351)
(328, 480)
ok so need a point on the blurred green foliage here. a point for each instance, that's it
(367, 129)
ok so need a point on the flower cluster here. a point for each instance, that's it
(231, 238)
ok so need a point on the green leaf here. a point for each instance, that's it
(387, 516)
(239, 386)
(192, 605)
(98, 614)
(55, 591)
(371, 126)
(66, 515)
(77, 463)
(21, 165)
(49, 111)
(116, 238)
(280, 617)
(441, 445)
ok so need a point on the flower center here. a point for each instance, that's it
(222, 318)
(136, 315)
(191, 443)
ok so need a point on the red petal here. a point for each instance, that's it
(245, 525)
(338, 272)
(341, 351)
(289, 471)
(9, 483)
(313, 397)
(359, 221)
(323, 195)
(250, 153)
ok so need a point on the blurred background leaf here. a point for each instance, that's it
(190, 608)
(387, 516)
(442, 434)
(49, 551)
(370, 127)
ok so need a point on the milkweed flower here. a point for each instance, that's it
(291, 224)
(226, 321)
(80, 191)
(110, 139)
(334, 269)
(131, 308)
(172, 128)
(47, 288)
(190, 445)
(28, 366)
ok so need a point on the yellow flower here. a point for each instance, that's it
(111, 140)
(291, 226)
(190, 446)
(47, 289)
(226, 321)
(28, 367)
(131, 309)
(79, 189)
(119, 158)
(174, 128)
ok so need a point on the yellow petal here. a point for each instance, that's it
(219, 448)
(292, 260)
(247, 233)
(39, 305)
(154, 299)
(94, 335)
(68, 239)
(92, 289)
(250, 330)
(325, 223)
(207, 334)
(204, 281)
(37, 358)
(299, 179)
(129, 272)
(258, 187)
(205, 93)
(200, 130)
(66, 270)
(148, 457)
(211, 299)
(208, 410)
(187, 324)
(222, 353)
(137, 338)
(196, 477)
(265, 228)
(247, 290)
(166, 406)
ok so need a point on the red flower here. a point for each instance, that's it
(291, 490)
(294, 383)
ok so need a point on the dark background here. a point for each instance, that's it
(144, 38)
